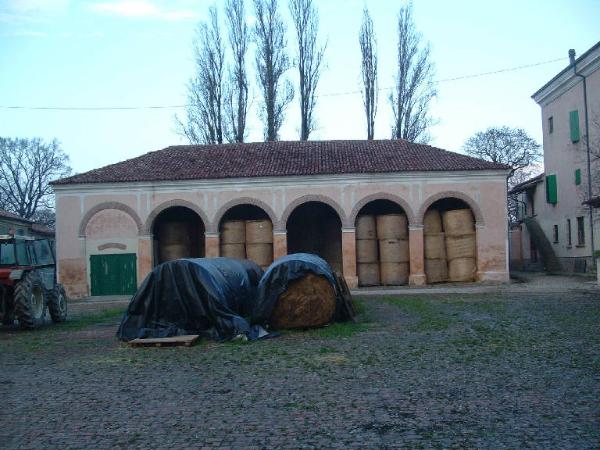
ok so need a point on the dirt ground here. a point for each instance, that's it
(504, 368)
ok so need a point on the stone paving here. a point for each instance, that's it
(491, 370)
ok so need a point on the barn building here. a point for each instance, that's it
(114, 224)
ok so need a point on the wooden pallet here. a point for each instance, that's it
(186, 340)
(346, 296)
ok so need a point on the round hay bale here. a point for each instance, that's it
(393, 250)
(436, 270)
(366, 250)
(458, 221)
(365, 227)
(463, 246)
(394, 274)
(171, 252)
(261, 254)
(307, 302)
(233, 232)
(174, 233)
(462, 269)
(392, 226)
(432, 222)
(259, 231)
(237, 251)
(435, 246)
(368, 274)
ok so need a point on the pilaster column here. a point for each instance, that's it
(349, 256)
(417, 257)
(144, 257)
(279, 244)
(211, 245)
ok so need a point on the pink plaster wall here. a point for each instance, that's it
(486, 193)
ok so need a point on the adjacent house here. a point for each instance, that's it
(114, 224)
(13, 224)
(555, 229)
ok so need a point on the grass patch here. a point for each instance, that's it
(346, 329)
(111, 315)
(51, 333)
(429, 314)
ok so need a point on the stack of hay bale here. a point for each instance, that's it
(461, 247)
(252, 239)
(233, 239)
(259, 242)
(366, 251)
(174, 241)
(436, 264)
(392, 233)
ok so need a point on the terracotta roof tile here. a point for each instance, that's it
(273, 159)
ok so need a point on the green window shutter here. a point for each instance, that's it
(574, 123)
(577, 177)
(551, 192)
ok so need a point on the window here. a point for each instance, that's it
(577, 177)
(574, 126)
(580, 232)
(550, 125)
(569, 238)
(555, 234)
(551, 193)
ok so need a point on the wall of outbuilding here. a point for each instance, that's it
(104, 218)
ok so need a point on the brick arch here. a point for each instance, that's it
(170, 204)
(382, 196)
(282, 225)
(109, 205)
(455, 194)
(243, 201)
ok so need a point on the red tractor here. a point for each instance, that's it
(28, 283)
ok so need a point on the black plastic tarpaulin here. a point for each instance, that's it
(287, 269)
(209, 297)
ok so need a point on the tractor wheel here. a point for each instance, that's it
(30, 301)
(57, 304)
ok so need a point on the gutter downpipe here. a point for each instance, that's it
(587, 144)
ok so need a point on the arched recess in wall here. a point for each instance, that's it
(245, 228)
(450, 240)
(311, 198)
(169, 204)
(382, 248)
(382, 196)
(452, 194)
(242, 201)
(105, 206)
(316, 227)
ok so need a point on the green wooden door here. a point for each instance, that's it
(113, 274)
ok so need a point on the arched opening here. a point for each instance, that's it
(382, 250)
(246, 232)
(450, 241)
(178, 233)
(315, 227)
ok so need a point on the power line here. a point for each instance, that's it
(331, 94)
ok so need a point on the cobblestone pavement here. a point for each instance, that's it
(500, 370)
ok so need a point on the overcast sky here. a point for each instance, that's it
(114, 53)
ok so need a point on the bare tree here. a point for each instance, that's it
(368, 49)
(26, 168)
(205, 89)
(504, 145)
(271, 63)
(414, 87)
(309, 60)
(236, 95)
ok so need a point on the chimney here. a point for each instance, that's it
(572, 57)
